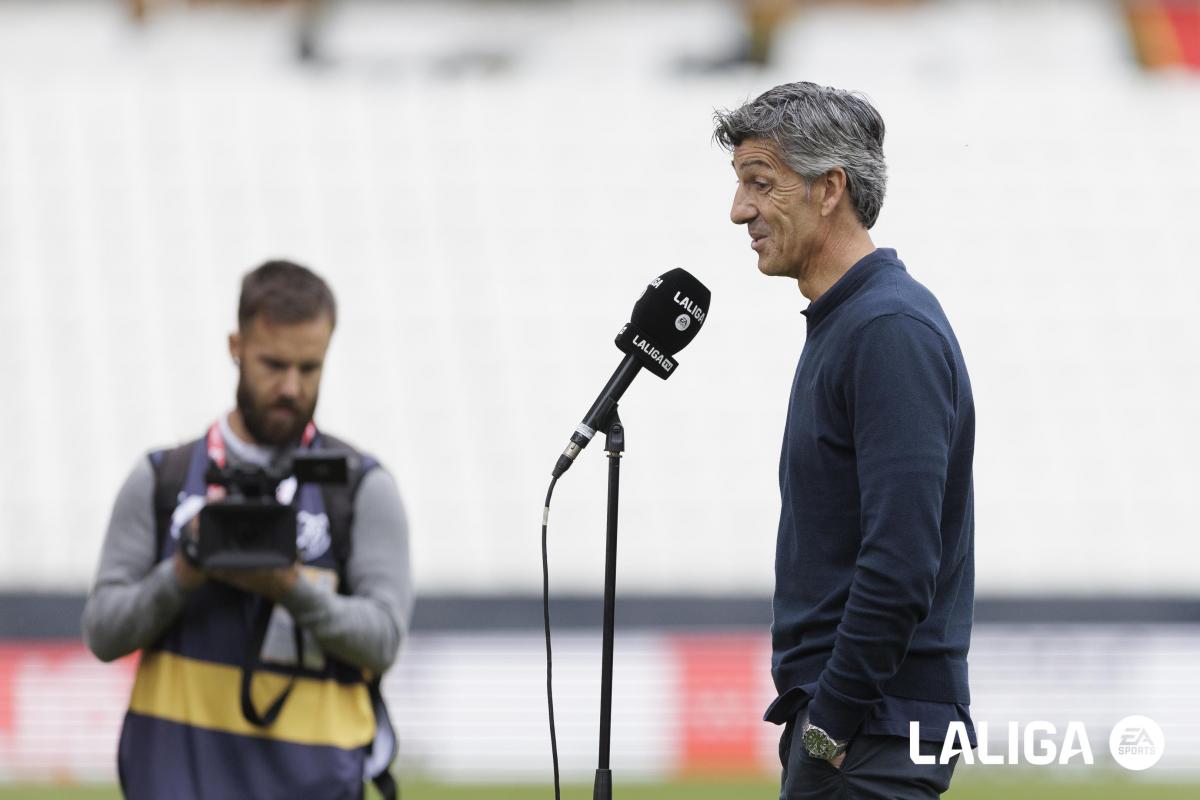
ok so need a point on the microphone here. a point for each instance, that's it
(665, 319)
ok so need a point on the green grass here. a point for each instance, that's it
(1105, 786)
(967, 787)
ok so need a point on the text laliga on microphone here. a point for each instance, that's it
(665, 319)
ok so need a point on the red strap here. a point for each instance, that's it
(217, 453)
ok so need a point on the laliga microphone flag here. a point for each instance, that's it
(665, 319)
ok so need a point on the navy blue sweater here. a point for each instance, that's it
(874, 567)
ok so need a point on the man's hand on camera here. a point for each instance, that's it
(270, 583)
(189, 577)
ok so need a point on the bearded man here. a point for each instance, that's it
(257, 683)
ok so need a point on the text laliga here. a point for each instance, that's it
(1033, 746)
(657, 355)
(693, 309)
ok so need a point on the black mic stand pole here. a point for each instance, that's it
(614, 445)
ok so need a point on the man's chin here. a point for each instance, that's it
(277, 433)
(768, 267)
(282, 438)
(775, 268)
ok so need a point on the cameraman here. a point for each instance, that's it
(231, 698)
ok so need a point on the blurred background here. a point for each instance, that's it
(488, 186)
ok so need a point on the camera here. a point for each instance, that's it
(249, 528)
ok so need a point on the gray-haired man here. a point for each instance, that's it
(874, 563)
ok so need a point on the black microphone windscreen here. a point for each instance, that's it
(672, 310)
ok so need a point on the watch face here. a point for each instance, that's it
(818, 744)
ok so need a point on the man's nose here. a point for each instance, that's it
(742, 212)
(291, 383)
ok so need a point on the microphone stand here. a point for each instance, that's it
(614, 446)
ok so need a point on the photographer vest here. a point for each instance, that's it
(205, 721)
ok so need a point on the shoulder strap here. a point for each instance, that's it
(339, 501)
(170, 473)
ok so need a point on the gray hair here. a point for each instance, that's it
(816, 129)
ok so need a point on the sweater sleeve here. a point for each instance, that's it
(365, 627)
(900, 399)
(134, 599)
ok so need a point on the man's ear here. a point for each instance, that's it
(235, 347)
(834, 184)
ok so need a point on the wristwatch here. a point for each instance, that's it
(820, 744)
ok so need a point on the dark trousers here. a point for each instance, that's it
(876, 768)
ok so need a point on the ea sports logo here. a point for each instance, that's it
(682, 322)
(1136, 743)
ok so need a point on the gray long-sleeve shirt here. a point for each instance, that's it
(136, 598)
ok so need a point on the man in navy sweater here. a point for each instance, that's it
(874, 565)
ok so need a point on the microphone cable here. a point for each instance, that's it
(546, 618)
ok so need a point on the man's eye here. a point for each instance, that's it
(761, 185)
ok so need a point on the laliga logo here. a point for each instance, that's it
(1035, 745)
(657, 355)
(691, 308)
(682, 322)
(1136, 743)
